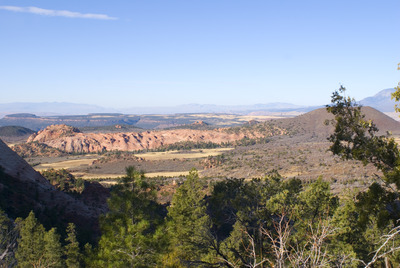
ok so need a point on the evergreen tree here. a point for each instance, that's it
(36, 247)
(72, 251)
(316, 202)
(31, 243)
(376, 210)
(53, 252)
(8, 239)
(189, 224)
(130, 235)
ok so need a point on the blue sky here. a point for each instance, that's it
(164, 53)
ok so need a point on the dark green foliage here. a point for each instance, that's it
(36, 247)
(72, 251)
(189, 224)
(316, 201)
(355, 138)
(63, 180)
(53, 251)
(8, 241)
(376, 211)
(396, 94)
(254, 221)
(131, 234)
(188, 145)
(247, 141)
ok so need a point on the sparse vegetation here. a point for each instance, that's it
(35, 149)
(64, 181)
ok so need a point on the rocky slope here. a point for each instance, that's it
(22, 189)
(69, 139)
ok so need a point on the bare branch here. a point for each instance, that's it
(381, 252)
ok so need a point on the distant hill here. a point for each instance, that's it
(381, 101)
(15, 131)
(313, 123)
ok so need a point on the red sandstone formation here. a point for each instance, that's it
(68, 139)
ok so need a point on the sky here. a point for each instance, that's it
(131, 53)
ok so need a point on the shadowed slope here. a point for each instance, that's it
(22, 189)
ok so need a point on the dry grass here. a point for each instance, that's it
(108, 183)
(170, 155)
(68, 164)
(169, 164)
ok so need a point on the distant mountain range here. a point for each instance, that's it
(381, 101)
(212, 108)
(51, 108)
(65, 108)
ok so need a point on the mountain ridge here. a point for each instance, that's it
(380, 101)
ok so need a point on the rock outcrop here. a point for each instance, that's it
(66, 139)
(53, 132)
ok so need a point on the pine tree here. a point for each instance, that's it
(189, 224)
(31, 244)
(36, 247)
(53, 251)
(130, 234)
(72, 251)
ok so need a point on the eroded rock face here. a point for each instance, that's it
(53, 132)
(73, 141)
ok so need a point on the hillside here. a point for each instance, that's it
(15, 131)
(314, 122)
(303, 153)
(23, 189)
(15, 134)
